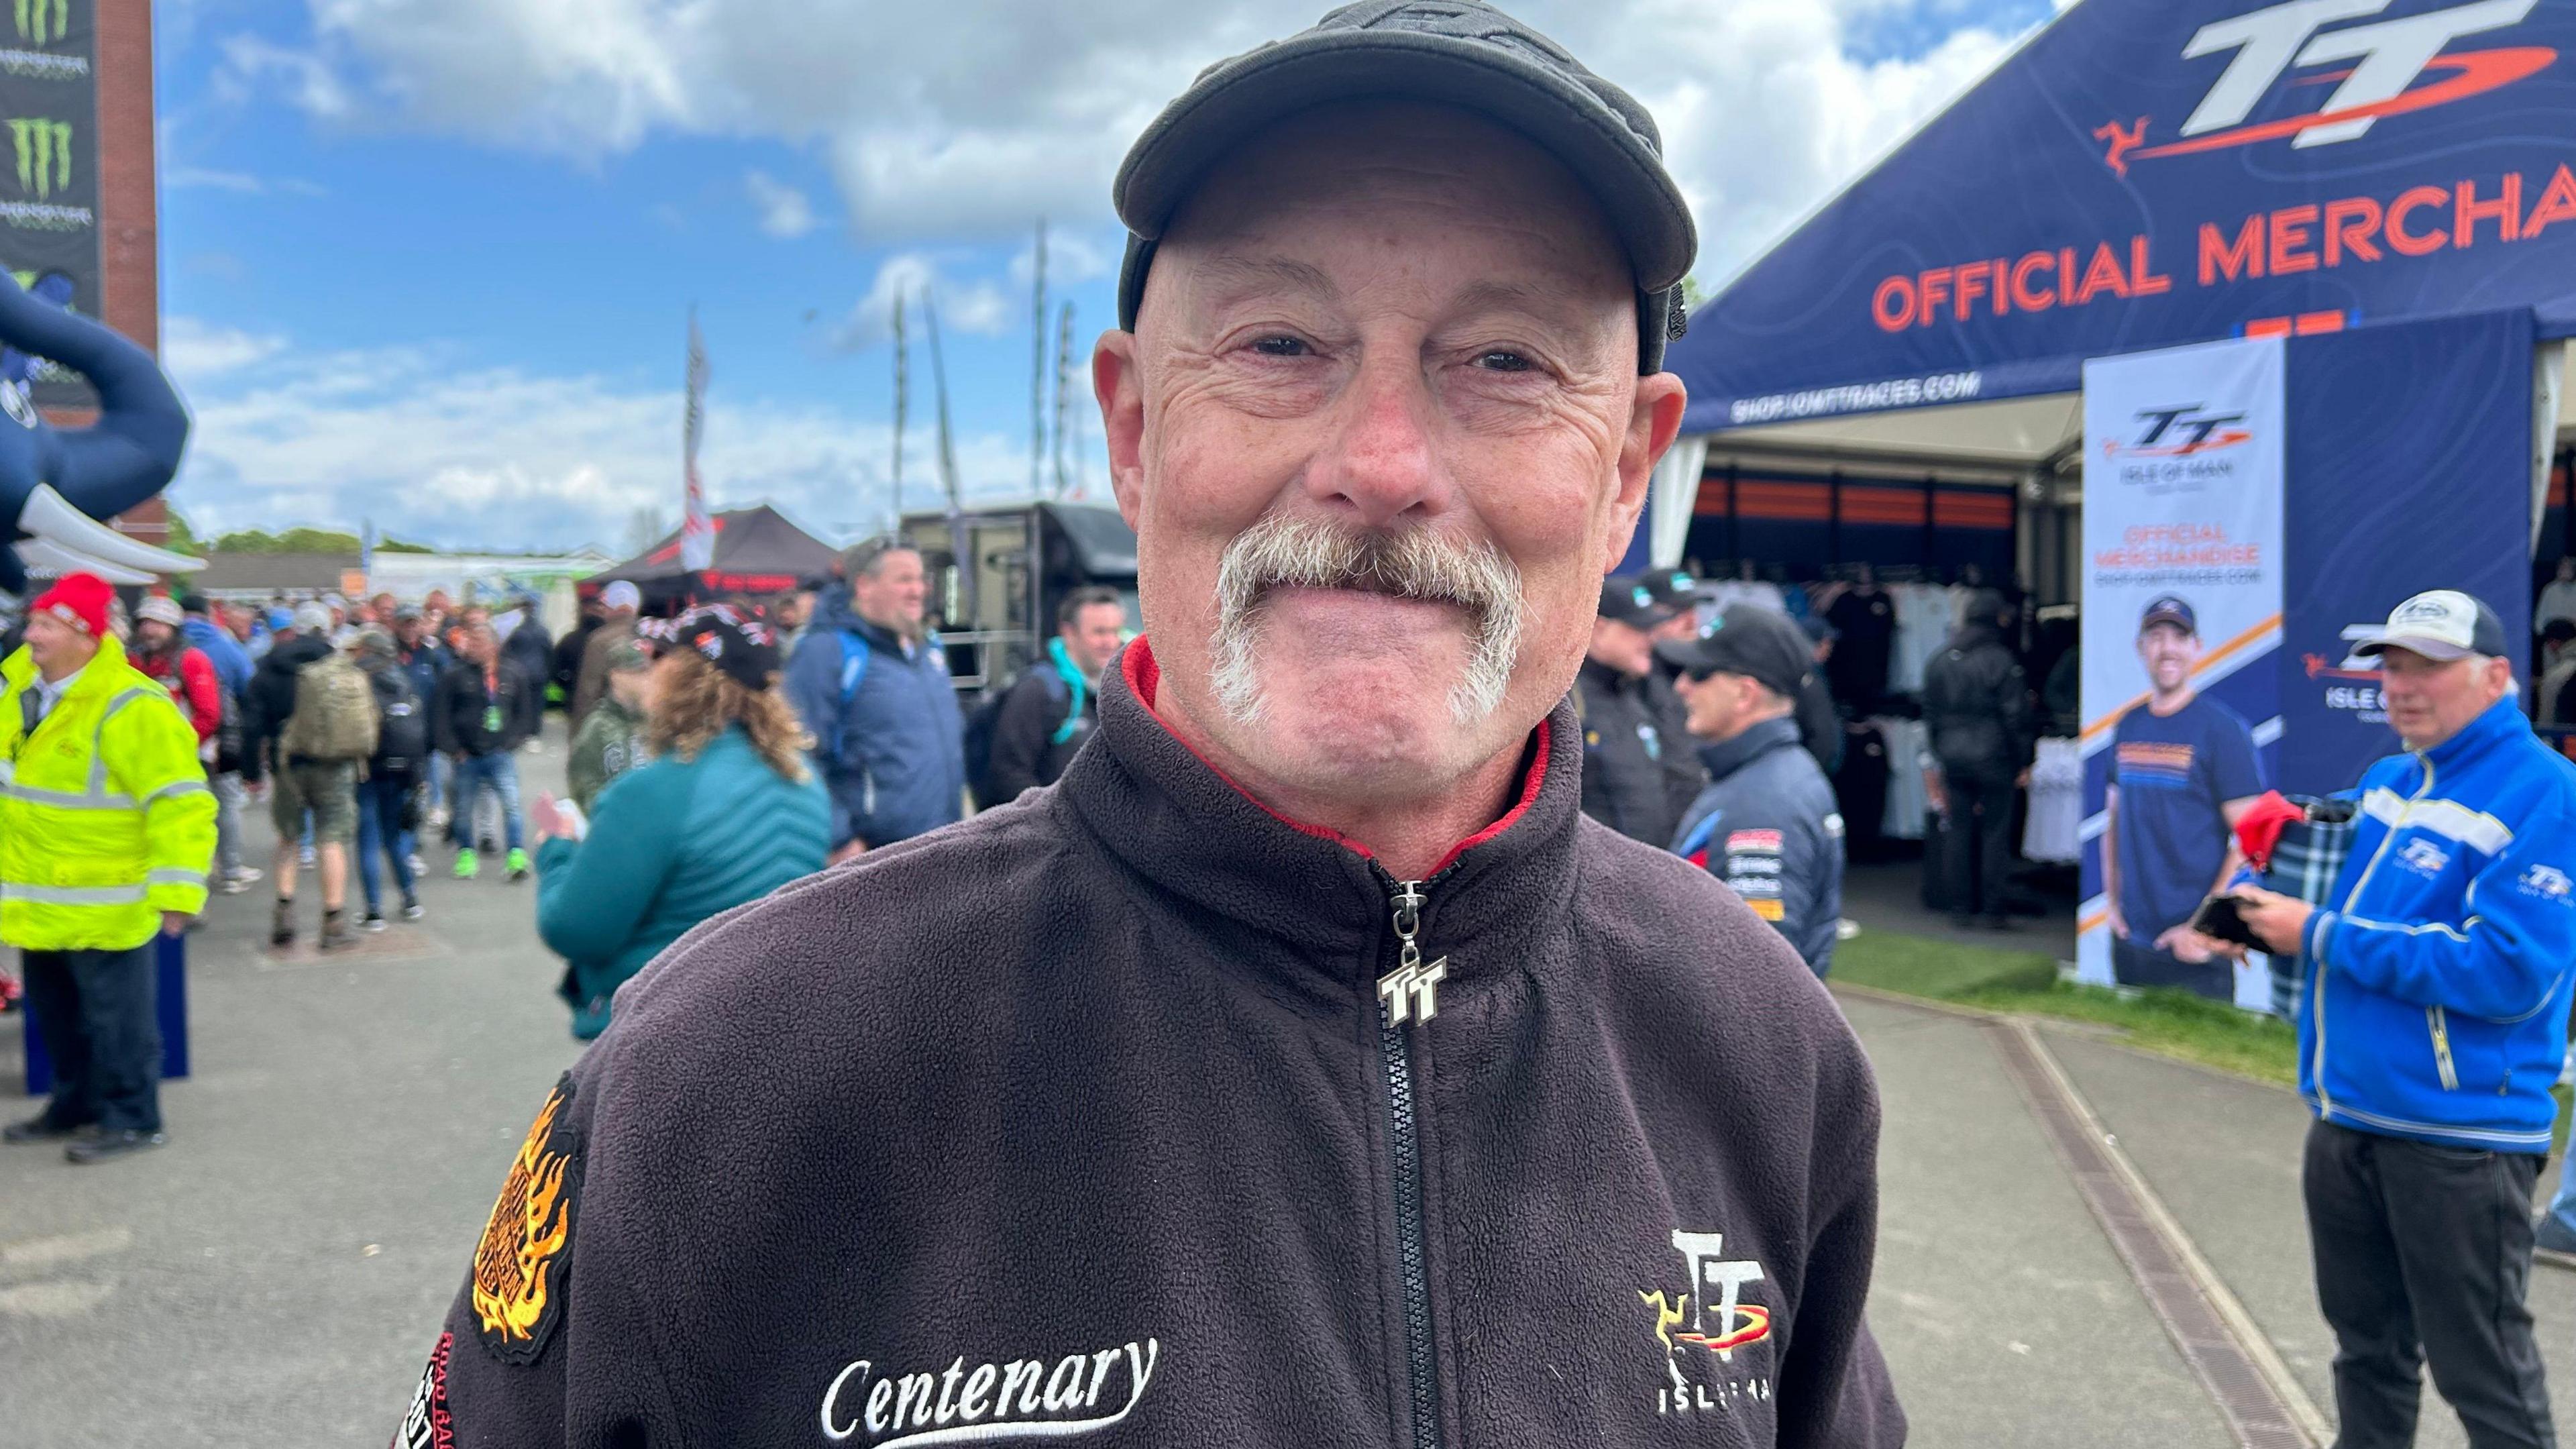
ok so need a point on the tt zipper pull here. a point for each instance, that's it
(1411, 990)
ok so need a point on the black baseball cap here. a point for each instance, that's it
(2438, 624)
(1674, 589)
(738, 642)
(1627, 600)
(1463, 53)
(1750, 640)
(2170, 609)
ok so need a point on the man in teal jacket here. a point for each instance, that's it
(2433, 1026)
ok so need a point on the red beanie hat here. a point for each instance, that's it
(81, 599)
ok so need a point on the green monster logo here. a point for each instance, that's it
(44, 155)
(32, 16)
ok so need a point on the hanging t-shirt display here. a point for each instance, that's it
(1865, 618)
(2175, 774)
(2054, 830)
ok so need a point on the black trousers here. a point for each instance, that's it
(2423, 1254)
(1978, 839)
(100, 1016)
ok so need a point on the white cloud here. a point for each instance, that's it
(969, 120)
(434, 448)
(255, 67)
(784, 211)
(201, 177)
(192, 349)
(972, 307)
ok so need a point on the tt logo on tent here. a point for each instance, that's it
(2386, 59)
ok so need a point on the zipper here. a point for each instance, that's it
(2325, 1100)
(2439, 1021)
(1409, 992)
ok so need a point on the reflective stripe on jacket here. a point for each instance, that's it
(106, 820)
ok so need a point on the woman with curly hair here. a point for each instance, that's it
(727, 811)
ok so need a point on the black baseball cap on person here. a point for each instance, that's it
(2170, 609)
(1463, 53)
(1674, 589)
(740, 643)
(1748, 639)
(1626, 600)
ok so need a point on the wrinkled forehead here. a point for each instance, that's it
(1418, 204)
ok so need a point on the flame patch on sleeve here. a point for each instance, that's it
(522, 1265)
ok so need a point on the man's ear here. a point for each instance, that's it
(1118, 381)
(1654, 420)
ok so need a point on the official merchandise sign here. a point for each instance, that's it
(49, 234)
(2182, 594)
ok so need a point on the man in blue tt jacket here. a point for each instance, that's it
(872, 685)
(2433, 1026)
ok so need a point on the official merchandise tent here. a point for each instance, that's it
(1895, 381)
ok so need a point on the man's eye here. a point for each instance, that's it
(1280, 347)
(1503, 360)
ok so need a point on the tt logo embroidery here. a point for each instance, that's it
(1412, 992)
(1722, 1323)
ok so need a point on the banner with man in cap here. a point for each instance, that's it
(2182, 622)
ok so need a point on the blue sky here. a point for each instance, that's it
(429, 264)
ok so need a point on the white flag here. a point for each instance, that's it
(697, 530)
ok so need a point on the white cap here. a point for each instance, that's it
(313, 617)
(621, 595)
(2438, 624)
(163, 608)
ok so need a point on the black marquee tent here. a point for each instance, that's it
(758, 551)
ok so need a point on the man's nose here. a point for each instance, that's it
(1382, 460)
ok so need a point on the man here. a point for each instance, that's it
(218, 630)
(872, 685)
(1349, 1086)
(163, 655)
(1051, 709)
(565, 671)
(2431, 1029)
(1638, 771)
(486, 706)
(2552, 698)
(793, 612)
(1766, 824)
(296, 640)
(2183, 772)
(106, 833)
(1820, 724)
(619, 603)
(417, 650)
(326, 727)
(611, 741)
(526, 642)
(393, 776)
(1976, 710)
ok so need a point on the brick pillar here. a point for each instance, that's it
(128, 201)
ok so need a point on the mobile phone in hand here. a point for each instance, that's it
(2222, 918)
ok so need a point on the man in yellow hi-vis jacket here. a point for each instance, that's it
(106, 831)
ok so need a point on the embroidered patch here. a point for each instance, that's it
(1769, 909)
(1746, 842)
(522, 1265)
(428, 1425)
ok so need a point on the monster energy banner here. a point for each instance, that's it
(49, 235)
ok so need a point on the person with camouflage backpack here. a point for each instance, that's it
(329, 732)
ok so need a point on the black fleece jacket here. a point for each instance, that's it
(1088, 1118)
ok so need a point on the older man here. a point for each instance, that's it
(619, 604)
(1303, 1068)
(106, 830)
(2433, 1025)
